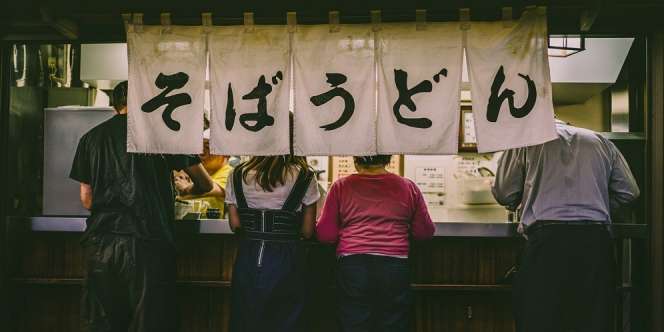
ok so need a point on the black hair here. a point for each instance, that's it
(377, 160)
(120, 95)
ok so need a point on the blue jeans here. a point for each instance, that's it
(374, 293)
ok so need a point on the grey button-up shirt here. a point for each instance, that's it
(579, 176)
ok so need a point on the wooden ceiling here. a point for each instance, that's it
(101, 21)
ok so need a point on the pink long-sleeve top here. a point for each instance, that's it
(374, 214)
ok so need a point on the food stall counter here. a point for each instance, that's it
(495, 229)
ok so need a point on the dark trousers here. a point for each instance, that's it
(129, 286)
(268, 291)
(566, 281)
(374, 293)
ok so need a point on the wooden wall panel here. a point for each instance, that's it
(474, 261)
(47, 255)
(40, 308)
(467, 312)
(205, 257)
(203, 309)
(448, 277)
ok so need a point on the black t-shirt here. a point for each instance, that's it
(131, 193)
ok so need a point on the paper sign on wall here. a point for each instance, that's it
(431, 181)
(166, 89)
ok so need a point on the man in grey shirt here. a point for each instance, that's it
(565, 190)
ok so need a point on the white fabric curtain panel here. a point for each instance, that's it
(510, 82)
(166, 89)
(250, 90)
(419, 81)
(335, 90)
(391, 88)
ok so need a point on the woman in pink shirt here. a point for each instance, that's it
(370, 216)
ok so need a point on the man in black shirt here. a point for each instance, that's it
(129, 240)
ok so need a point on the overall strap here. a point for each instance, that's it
(299, 190)
(237, 188)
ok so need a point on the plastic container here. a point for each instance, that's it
(477, 190)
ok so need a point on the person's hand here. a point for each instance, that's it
(182, 183)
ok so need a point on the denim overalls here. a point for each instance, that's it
(268, 286)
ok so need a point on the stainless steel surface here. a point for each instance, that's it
(220, 226)
(77, 224)
(63, 127)
(56, 224)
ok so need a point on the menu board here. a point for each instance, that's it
(431, 181)
(344, 166)
(341, 167)
(430, 178)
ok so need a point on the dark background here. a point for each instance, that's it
(69, 21)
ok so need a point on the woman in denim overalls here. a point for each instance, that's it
(272, 206)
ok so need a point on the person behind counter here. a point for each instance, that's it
(129, 241)
(219, 169)
(565, 189)
(371, 215)
(272, 205)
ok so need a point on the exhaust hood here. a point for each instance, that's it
(104, 65)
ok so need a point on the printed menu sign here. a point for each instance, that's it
(430, 178)
(341, 167)
(467, 166)
(431, 181)
(469, 129)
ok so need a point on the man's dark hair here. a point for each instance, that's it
(120, 95)
(377, 160)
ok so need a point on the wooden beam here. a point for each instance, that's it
(34, 37)
(65, 27)
(587, 19)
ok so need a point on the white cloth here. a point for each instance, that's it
(257, 198)
(427, 55)
(519, 50)
(318, 52)
(239, 58)
(154, 54)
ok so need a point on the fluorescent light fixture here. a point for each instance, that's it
(564, 46)
(600, 62)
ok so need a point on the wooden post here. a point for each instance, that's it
(656, 179)
(5, 51)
